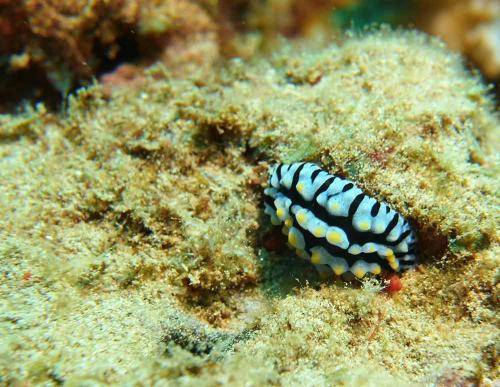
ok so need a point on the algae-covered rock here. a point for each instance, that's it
(131, 228)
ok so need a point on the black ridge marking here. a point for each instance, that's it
(375, 209)
(387, 209)
(332, 195)
(323, 187)
(278, 173)
(335, 251)
(391, 225)
(347, 187)
(296, 176)
(343, 222)
(355, 204)
(314, 174)
(270, 201)
(402, 237)
(400, 255)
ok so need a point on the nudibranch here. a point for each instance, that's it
(333, 224)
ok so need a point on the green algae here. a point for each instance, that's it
(131, 228)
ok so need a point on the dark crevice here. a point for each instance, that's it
(200, 340)
(139, 152)
(30, 86)
(44, 82)
(127, 52)
(130, 225)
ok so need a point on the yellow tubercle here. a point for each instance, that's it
(289, 222)
(376, 269)
(302, 217)
(364, 225)
(338, 269)
(315, 258)
(292, 239)
(334, 237)
(300, 187)
(388, 253)
(393, 262)
(280, 212)
(394, 265)
(355, 250)
(319, 231)
(370, 249)
(359, 272)
(334, 206)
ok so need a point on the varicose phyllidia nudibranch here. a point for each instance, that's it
(336, 226)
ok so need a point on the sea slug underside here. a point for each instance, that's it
(336, 226)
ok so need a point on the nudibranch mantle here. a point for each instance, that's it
(332, 223)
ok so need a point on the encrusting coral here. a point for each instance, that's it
(132, 224)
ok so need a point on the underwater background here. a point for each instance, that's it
(135, 142)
